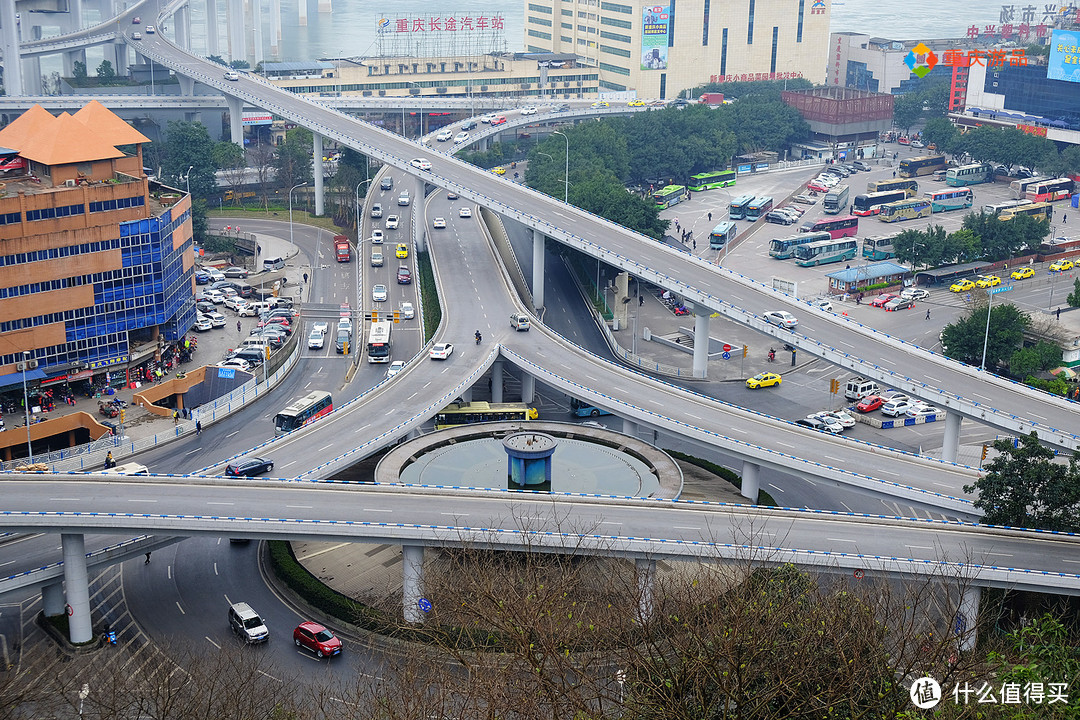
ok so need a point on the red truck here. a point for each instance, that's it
(712, 99)
(342, 251)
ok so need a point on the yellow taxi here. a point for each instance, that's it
(763, 380)
(636, 103)
(1022, 273)
(962, 285)
(988, 281)
(499, 170)
(402, 250)
(1061, 266)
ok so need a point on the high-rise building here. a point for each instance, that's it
(95, 262)
(656, 50)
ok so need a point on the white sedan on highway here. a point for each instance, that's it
(781, 318)
(421, 163)
(441, 351)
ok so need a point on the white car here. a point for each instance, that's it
(465, 212)
(236, 364)
(822, 303)
(805, 199)
(528, 110)
(444, 135)
(150, 30)
(377, 236)
(395, 367)
(831, 424)
(407, 310)
(202, 324)
(781, 318)
(896, 408)
(378, 293)
(316, 340)
(827, 179)
(235, 302)
(461, 137)
(214, 296)
(392, 222)
(248, 310)
(441, 351)
(918, 144)
(232, 75)
(922, 410)
(217, 320)
(840, 416)
(486, 119)
(323, 327)
(421, 163)
(914, 294)
(438, 222)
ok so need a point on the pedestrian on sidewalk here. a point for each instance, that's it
(927, 313)
(710, 217)
(641, 299)
(147, 559)
(175, 417)
(238, 326)
(198, 427)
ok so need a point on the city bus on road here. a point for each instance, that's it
(959, 198)
(670, 195)
(712, 180)
(463, 413)
(1050, 190)
(879, 248)
(846, 226)
(910, 187)
(580, 408)
(925, 165)
(836, 200)
(722, 234)
(1039, 211)
(1000, 207)
(378, 347)
(828, 251)
(758, 207)
(974, 174)
(784, 248)
(870, 203)
(905, 210)
(1020, 187)
(303, 411)
(737, 208)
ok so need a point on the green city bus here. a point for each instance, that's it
(712, 180)
(670, 195)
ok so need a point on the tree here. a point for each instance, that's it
(1037, 358)
(105, 73)
(78, 72)
(1074, 296)
(1024, 487)
(292, 159)
(942, 133)
(229, 158)
(907, 109)
(964, 338)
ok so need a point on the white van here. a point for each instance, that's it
(127, 469)
(273, 263)
(859, 388)
(376, 257)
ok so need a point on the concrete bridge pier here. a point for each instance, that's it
(212, 28)
(234, 13)
(497, 381)
(117, 53)
(182, 26)
(467, 395)
(187, 85)
(412, 581)
(950, 446)
(275, 28)
(751, 486)
(701, 344)
(31, 66)
(302, 18)
(256, 53)
(52, 599)
(538, 242)
(78, 587)
(72, 56)
(9, 37)
(236, 119)
(317, 155)
(646, 582)
(967, 615)
(528, 387)
(629, 427)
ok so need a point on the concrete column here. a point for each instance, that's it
(966, 622)
(750, 483)
(119, 57)
(629, 427)
(497, 381)
(75, 14)
(325, 6)
(317, 154)
(236, 29)
(528, 387)
(539, 240)
(467, 395)
(31, 66)
(412, 580)
(419, 226)
(701, 346)
(187, 87)
(236, 119)
(646, 579)
(9, 32)
(182, 25)
(211, 28)
(301, 6)
(52, 599)
(951, 443)
(275, 28)
(257, 52)
(78, 587)
(72, 56)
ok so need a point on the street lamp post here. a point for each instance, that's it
(566, 167)
(290, 209)
(26, 405)
(187, 179)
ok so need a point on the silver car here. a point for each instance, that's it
(781, 318)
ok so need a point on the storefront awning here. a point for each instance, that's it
(16, 378)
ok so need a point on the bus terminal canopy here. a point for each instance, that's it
(949, 273)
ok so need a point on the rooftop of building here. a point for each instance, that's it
(863, 272)
(92, 133)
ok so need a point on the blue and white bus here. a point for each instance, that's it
(974, 174)
(784, 248)
(959, 198)
(737, 208)
(758, 207)
(722, 234)
(826, 251)
(580, 408)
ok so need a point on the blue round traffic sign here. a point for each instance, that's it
(424, 604)
(726, 355)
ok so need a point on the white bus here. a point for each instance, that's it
(378, 347)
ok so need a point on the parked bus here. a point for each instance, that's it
(879, 248)
(945, 200)
(925, 165)
(758, 207)
(826, 251)
(870, 204)
(712, 180)
(302, 411)
(378, 347)
(670, 195)
(737, 208)
(910, 187)
(1039, 211)
(784, 248)
(722, 234)
(974, 174)
(580, 408)
(1019, 188)
(1050, 190)
(1001, 206)
(847, 226)
(905, 210)
(463, 413)
(836, 200)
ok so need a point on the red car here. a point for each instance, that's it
(317, 639)
(880, 300)
(283, 321)
(870, 403)
(817, 186)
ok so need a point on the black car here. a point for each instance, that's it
(780, 218)
(249, 467)
(468, 125)
(387, 183)
(836, 170)
(205, 306)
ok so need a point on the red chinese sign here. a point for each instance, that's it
(1032, 130)
(990, 58)
(442, 24)
(751, 77)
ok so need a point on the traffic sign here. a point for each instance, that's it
(727, 348)
(424, 604)
(726, 355)
(995, 291)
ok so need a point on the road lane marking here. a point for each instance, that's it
(780, 489)
(215, 569)
(377, 510)
(234, 432)
(918, 547)
(144, 500)
(684, 527)
(212, 642)
(455, 514)
(65, 499)
(841, 540)
(178, 607)
(326, 447)
(302, 507)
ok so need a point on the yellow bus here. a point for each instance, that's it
(463, 413)
(1039, 211)
(905, 210)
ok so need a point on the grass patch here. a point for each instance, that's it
(731, 476)
(429, 295)
(301, 217)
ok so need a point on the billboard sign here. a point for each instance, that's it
(1064, 61)
(257, 118)
(655, 30)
